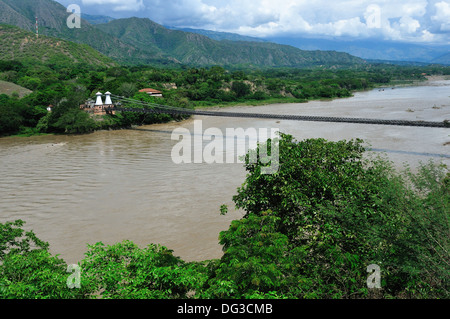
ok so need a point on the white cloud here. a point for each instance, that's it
(409, 20)
(442, 15)
(393, 20)
(409, 25)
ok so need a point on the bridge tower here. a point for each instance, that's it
(99, 101)
(108, 101)
(98, 106)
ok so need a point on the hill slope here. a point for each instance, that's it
(53, 22)
(10, 88)
(20, 45)
(197, 49)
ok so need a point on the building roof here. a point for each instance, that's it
(150, 91)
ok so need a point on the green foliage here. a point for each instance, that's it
(127, 89)
(67, 117)
(10, 120)
(241, 89)
(125, 271)
(15, 114)
(341, 213)
(254, 259)
(29, 82)
(13, 239)
(28, 270)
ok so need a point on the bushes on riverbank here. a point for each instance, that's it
(310, 231)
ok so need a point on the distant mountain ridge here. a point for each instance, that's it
(368, 50)
(443, 59)
(142, 41)
(372, 50)
(96, 19)
(197, 49)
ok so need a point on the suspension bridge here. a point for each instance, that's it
(147, 107)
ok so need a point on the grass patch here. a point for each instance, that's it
(12, 89)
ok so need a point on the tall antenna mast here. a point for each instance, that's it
(37, 28)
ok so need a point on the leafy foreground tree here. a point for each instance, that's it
(126, 271)
(311, 229)
(28, 270)
(123, 270)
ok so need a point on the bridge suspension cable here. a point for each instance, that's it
(158, 108)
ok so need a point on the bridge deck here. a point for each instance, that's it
(444, 124)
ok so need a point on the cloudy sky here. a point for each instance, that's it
(420, 21)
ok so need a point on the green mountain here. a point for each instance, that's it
(196, 49)
(142, 41)
(52, 20)
(20, 45)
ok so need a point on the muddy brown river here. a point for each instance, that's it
(115, 185)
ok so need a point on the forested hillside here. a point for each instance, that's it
(142, 41)
(196, 49)
(52, 20)
(20, 45)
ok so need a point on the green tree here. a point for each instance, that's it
(67, 117)
(341, 213)
(30, 82)
(124, 271)
(29, 271)
(127, 89)
(10, 119)
(241, 89)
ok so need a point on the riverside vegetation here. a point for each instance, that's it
(66, 87)
(309, 231)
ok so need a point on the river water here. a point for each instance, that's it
(111, 186)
